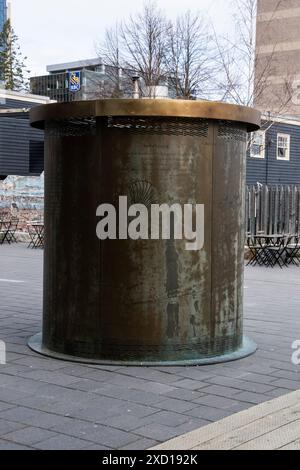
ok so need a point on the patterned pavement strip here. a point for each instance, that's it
(273, 425)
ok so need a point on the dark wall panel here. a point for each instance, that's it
(270, 170)
(8, 103)
(17, 155)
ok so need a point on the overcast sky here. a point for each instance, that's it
(57, 31)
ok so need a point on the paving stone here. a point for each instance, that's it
(278, 392)
(209, 413)
(75, 369)
(158, 432)
(216, 401)
(31, 417)
(129, 422)
(179, 406)
(52, 377)
(39, 363)
(96, 412)
(9, 426)
(191, 425)
(288, 384)
(168, 418)
(140, 384)
(257, 378)
(97, 375)
(131, 395)
(28, 435)
(286, 374)
(164, 377)
(96, 433)
(196, 373)
(190, 384)
(20, 385)
(184, 394)
(86, 385)
(97, 447)
(241, 384)
(38, 402)
(5, 445)
(61, 442)
(254, 398)
(141, 444)
(5, 406)
(63, 394)
(220, 391)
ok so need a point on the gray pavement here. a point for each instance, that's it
(49, 404)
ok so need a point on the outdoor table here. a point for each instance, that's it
(37, 236)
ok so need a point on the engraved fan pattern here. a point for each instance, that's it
(141, 192)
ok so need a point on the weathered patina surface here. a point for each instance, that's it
(143, 300)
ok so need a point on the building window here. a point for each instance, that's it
(36, 156)
(258, 144)
(283, 147)
(101, 69)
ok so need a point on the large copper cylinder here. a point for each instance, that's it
(143, 301)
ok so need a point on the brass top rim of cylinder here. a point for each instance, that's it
(146, 107)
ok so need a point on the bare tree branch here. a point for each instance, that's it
(190, 57)
(245, 73)
(144, 40)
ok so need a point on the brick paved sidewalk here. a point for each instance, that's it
(48, 404)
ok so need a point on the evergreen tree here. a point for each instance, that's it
(12, 63)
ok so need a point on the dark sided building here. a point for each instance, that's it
(21, 146)
(274, 156)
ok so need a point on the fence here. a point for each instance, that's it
(273, 209)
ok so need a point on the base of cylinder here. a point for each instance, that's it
(249, 347)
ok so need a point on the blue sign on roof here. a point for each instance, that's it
(74, 81)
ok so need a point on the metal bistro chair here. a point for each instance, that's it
(254, 250)
(3, 230)
(33, 236)
(8, 230)
(276, 253)
(292, 250)
(260, 255)
(13, 227)
(279, 251)
(36, 234)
